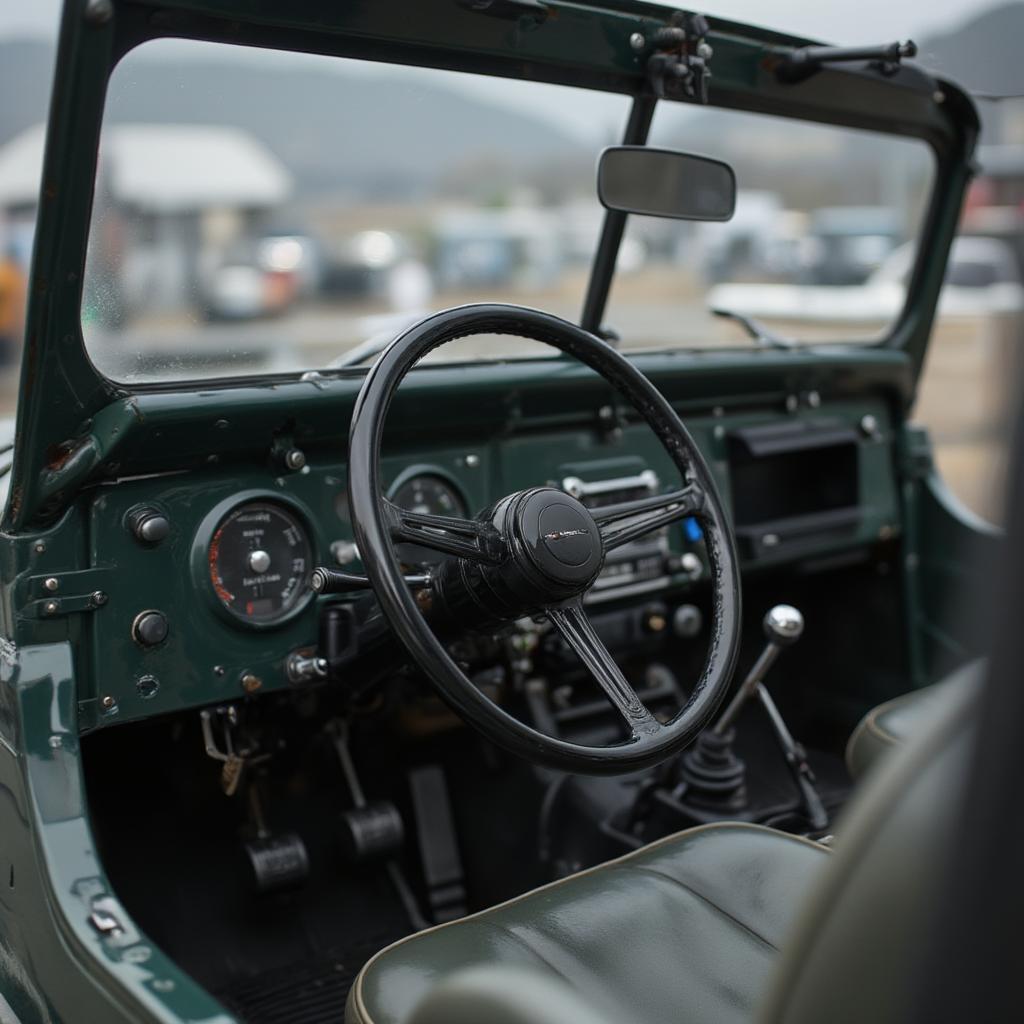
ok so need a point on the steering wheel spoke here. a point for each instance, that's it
(576, 630)
(450, 535)
(626, 521)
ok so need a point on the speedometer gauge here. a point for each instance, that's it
(427, 494)
(259, 561)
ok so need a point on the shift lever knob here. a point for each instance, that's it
(783, 625)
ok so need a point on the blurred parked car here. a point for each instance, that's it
(982, 278)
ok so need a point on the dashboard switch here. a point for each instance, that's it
(148, 524)
(150, 628)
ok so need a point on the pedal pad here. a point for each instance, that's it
(371, 832)
(278, 862)
(439, 851)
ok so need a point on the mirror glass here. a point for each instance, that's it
(665, 183)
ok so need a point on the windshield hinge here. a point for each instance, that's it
(680, 58)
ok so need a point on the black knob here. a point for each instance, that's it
(150, 628)
(149, 524)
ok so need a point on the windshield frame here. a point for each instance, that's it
(62, 391)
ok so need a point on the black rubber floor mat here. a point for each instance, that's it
(310, 993)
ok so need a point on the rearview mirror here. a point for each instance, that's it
(664, 183)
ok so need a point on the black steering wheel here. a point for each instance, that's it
(537, 551)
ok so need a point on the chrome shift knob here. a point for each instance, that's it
(783, 625)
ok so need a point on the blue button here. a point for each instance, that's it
(692, 529)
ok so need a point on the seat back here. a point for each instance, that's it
(856, 952)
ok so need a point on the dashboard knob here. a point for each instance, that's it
(150, 628)
(688, 621)
(148, 524)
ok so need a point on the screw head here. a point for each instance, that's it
(472, 461)
(295, 458)
(251, 683)
(51, 583)
(99, 598)
(637, 41)
(99, 12)
(51, 608)
(108, 703)
(39, 547)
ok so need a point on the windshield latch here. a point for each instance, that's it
(680, 58)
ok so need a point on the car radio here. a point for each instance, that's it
(635, 567)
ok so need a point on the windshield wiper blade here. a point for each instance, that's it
(755, 329)
(365, 350)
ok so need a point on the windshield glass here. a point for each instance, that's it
(259, 212)
(824, 216)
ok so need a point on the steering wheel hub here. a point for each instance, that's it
(560, 538)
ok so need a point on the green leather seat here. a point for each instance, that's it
(723, 923)
(726, 894)
(891, 724)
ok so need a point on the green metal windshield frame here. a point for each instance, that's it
(580, 44)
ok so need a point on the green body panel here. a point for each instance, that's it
(54, 964)
(87, 450)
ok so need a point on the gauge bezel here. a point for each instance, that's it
(207, 529)
(429, 469)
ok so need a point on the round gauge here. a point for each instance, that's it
(430, 495)
(260, 558)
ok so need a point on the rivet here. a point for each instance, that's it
(99, 598)
(108, 703)
(39, 547)
(51, 607)
(813, 399)
(637, 41)
(51, 583)
(56, 741)
(219, 671)
(251, 683)
(792, 403)
(472, 461)
(99, 12)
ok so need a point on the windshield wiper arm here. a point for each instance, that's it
(755, 329)
(363, 351)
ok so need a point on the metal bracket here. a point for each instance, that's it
(51, 595)
(681, 58)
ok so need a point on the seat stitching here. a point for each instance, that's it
(700, 896)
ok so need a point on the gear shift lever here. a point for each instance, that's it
(783, 626)
(712, 768)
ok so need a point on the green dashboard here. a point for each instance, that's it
(210, 604)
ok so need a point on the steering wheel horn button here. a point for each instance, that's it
(560, 537)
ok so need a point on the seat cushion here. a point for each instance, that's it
(893, 723)
(684, 930)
